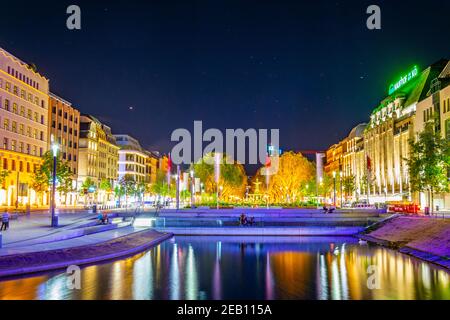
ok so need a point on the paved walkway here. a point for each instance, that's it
(36, 226)
(33, 233)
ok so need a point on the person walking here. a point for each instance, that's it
(5, 221)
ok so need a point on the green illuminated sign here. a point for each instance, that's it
(403, 80)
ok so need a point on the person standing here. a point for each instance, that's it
(5, 221)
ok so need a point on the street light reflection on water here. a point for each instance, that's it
(246, 268)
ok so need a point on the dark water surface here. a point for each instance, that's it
(247, 268)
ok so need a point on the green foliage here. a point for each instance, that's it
(87, 186)
(232, 176)
(428, 161)
(105, 185)
(42, 178)
(3, 175)
(348, 184)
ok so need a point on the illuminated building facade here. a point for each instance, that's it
(98, 155)
(23, 129)
(152, 163)
(436, 105)
(132, 159)
(64, 129)
(376, 153)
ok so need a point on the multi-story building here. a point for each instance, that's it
(88, 149)
(436, 107)
(98, 155)
(386, 139)
(110, 149)
(64, 129)
(132, 158)
(23, 130)
(376, 154)
(152, 162)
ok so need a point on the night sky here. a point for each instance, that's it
(310, 68)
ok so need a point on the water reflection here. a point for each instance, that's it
(239, 268)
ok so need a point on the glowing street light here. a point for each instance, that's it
(334, 187)
(55, 149)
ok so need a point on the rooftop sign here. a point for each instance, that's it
(404, 79)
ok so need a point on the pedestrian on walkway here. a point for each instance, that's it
(5, 221)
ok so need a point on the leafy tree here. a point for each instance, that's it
(428, 162)
(87, 188)
(233, 179)
(4, 174)
(106, 186)
(348, 185)
(294, 171)
(42, 178)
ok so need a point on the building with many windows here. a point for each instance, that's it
(132, 159)
(64, 129)
(436, 106)
(377, 155)
(23, 128)
(98, 155)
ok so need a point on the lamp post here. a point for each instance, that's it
(219, 194)
(334, 188)
(340, 186)
(55, 148)
(192, 188)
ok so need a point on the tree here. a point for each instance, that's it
(232, 181)
(3, 175)
(106, 186)
(428, 162)
(348, 185)
(87, 187)
(42, 178)
(128, 185)
(294, 172)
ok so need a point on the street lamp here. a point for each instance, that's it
(334, 187)
(219, 193)
(55, 148)
(192, 189)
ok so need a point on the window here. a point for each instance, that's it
(16, 90)
(14, 109)
(53, 124)
(23, 94)
(14, 126)
(13, 145)
(30, 114)
(22, 111)
(6, 124)
(21, 147)
(21, 131)
(8, 86)
(5, 143)
(65, 115)
(13, 165)
(54, 109)
(6, 104)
